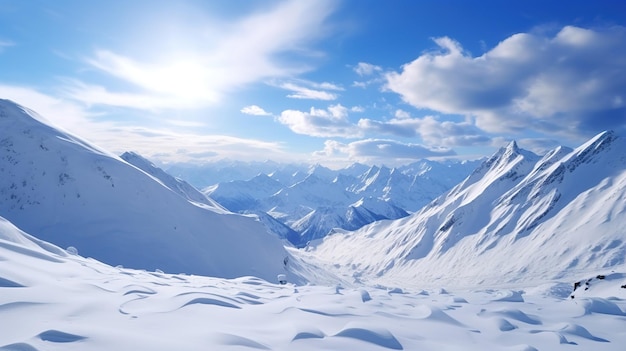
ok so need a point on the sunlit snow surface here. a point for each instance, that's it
(53, 300)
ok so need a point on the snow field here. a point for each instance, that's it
(55, 301)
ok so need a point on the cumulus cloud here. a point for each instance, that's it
(430, 129)
(249, 50)
(573, 82)
(334, 122)
(255, 111)
(380, 151)
(331, 122)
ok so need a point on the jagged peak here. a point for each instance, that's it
(592, 149)
(512, 147)
(599, 141)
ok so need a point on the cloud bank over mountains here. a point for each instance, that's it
(545, 83)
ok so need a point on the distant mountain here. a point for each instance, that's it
(347, 198)
(66, 191)
(516, 217)
(202, 176)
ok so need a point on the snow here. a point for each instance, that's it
(517, 217)
(314, 205)
(62, 189)
(56, 301)
(527, 253)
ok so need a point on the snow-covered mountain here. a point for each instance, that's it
(64, 190)
(516, 217)
(347, 198)
(202, 176)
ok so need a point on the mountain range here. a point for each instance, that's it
(314, 201)
(517, 218)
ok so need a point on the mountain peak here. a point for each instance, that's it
(512, 147)
(598, 142)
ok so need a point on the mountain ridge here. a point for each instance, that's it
(66, 191)
(313, 205)
(519, 214)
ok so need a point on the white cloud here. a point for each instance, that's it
(379, 151)
(163, 144)
(5, 44)
(430, 129)
(357, 109)
(567, 83)
(167, 146)
(57, 111)
(401, 114)
(366, 69)
(92, 95)
(235, 55)
(305, 89)
(300, 92)
(332, 122)
(255, 111)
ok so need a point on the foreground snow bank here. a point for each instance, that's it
(52, 300)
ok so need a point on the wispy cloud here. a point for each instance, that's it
(59, 112)
(5, 44)
(178, 147)
(163, 143)
(255, 111)
(305, 89)
(366, 69)
(372, 72)
(300, 92)
(571, 83)
(241, 53)
(92, 95)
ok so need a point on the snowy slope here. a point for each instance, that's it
(517, 217)
(64, 190)
(178, 186)
(53, 300)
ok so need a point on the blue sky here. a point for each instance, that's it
(320, 81)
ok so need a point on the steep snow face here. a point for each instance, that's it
(517, 217)
(64, 190)
(178, 186)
